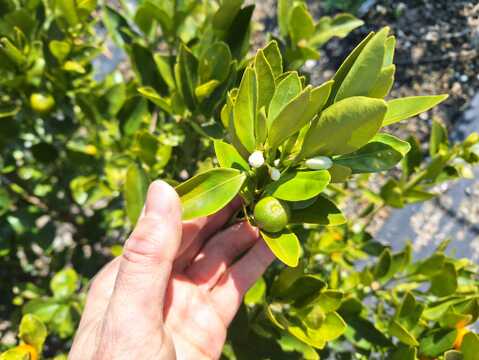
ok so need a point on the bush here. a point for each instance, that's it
(79, 149)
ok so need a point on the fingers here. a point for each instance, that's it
(228, 293)
(219, 252)
(148, 255)
(195, 233)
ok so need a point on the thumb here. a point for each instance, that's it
(148, 256)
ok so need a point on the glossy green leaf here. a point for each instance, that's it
(244, 111)
(285, 246)
(384, 82)
(405, 108)
(290, 120)
(186, 75)
(362, 76)
(453, 355)
(264, 80)
(299, 185)
(151, 94)
(68, 10)
(438, 137)
(135, 188)
(32, 331)
(444, 283)
(321, 212)
(333, 327)
(339, 26)
(214, 63)
(330, 300)
(300, 23)
(344, 127)
(286, 90)
(382, 153)
(470, 346)
(44, 309)
(64, 283)
(210, 191)
(345, 67)
(384, 264)
(226, 13)
(255, 295)
(228, 156)
(404, 353)
(59, 49)
(339, 173)
(203, 91)
(303, 289)
(389, 53)
(398, 331)
(273, 56)
(437, 342)
(283, 10)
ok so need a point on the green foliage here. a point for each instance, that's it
(79, 147)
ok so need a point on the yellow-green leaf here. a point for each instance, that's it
(244, 110)
(285, 246)
(405, 108)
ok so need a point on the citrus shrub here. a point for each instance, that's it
(79, 147)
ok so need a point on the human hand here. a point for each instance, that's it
(176, 287)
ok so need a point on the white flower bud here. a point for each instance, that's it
(274, 173)
(256, 159)
(475, 149)
(319, 163)
(276, 163)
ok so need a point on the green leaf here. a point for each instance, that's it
(365, 70)
(438, 137)
(345, 67)
(264, 80)
(409, 312)
(300, 23)
(227, 12)
(413, 158)
(404, 353)
(210, 191)
(290, 120)
(283, 13)
(286, 90)
(389, 53)
(344, 127)
(470, 346)
(135, 188)
(384, 82)
(8, 110)
(44, 309)
(64, 283)
(151, 94)
(146, 68)
(228, 156)
(186, 75)
(437, 342)
(59, 49)
(255, 295)
(397, 330)
(244, 111)
(339, 173)
(303, 290)
(68, 10)
(321, 212)
(339, 26)
(203, 91)
(383, 152)
(330, 300)
(32, 331)
(214, 63)
(299, 185)
(384, 264)
(298, 113)
(273, 56)
(146, 147)
(405, 108)
(445, 282)
(333, 327)
(285, 246)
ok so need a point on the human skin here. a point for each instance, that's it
(176, 287)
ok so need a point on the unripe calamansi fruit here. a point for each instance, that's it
(271, 214)
(42, 103)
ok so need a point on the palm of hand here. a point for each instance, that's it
(183, 314)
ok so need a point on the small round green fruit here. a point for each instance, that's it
(42, 103)
(271, 215)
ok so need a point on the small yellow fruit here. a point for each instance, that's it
(42, 103)
(271, 214)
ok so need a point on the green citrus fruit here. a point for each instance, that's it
(42, 103)
(272, 215)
